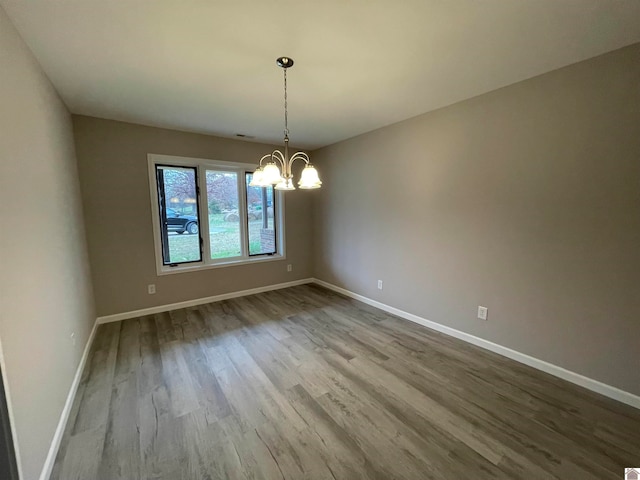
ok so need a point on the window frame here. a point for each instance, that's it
(202, 165)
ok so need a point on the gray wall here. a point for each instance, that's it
(525, 200)
(45, 284)
(112, 160)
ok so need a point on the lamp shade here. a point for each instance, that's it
(309, 178)
(271, 174)
(285, 184)
(256, 178)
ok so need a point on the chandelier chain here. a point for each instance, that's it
(286, 113)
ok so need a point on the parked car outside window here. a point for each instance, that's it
(180, 223)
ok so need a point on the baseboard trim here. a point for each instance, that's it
(66, 411)
(199, 301)
(576, 378)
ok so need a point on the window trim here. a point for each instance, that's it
(202, 165)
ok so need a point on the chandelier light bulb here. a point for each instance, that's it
(271, 174)
(285, 184)
(256, 178)
(309, 178)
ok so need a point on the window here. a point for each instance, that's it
(223, 200)
(178, 214)
(260, 219)
(243, 223)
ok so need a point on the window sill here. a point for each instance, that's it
(166, 270)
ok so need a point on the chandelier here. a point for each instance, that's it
(277, 168)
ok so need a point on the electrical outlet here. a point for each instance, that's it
(151, 288)
(379, 284)
(289, 268)
(73, 338)
(483, 312)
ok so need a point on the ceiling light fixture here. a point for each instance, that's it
(277, 170)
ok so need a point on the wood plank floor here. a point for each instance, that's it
(303, 383)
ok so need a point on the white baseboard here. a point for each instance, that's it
(64, 416)
(199, 301)
(586, 382)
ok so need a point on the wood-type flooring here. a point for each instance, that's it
(303, 383)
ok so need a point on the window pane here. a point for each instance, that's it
(261, 221)
(178, 207)
(224, 214)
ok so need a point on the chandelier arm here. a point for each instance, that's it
(277, 154)
(262, 159)
(299, 155)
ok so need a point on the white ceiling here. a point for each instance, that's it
(209, 66)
